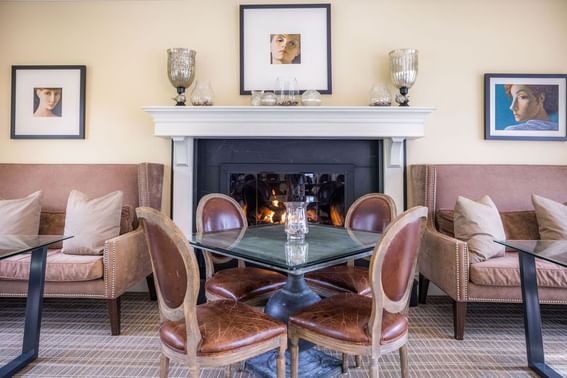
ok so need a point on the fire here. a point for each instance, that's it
(336, 217)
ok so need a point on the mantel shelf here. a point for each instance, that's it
(320, 122)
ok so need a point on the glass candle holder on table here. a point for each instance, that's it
(296, 220)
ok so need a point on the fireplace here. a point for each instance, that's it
(391, 126)
(262, 174)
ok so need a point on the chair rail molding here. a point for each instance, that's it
(182, 124)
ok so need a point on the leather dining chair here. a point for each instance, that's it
(361, 325)
(219, 212)
(371, 212)
(218, 333)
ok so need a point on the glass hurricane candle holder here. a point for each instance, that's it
(296, 220)
(180, 71)
(403, 70)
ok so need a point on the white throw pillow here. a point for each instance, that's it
(479, 224)
(91, 222)
(20, 216)
(551, 218)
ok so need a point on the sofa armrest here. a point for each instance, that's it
(126, 262)
(445, 262)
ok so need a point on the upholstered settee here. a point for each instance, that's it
(124, 261)
(446, 261)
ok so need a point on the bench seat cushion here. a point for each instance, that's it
(60, 267)
(505, 271)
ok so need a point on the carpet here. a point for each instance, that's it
(75, 341)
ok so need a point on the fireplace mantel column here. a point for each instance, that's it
(184, 124)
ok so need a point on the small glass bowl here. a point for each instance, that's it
(268, 99)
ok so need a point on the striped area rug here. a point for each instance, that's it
(76, 341)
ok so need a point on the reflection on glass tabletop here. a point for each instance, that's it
(554, 251)
(14, 244)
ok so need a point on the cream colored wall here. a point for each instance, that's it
(123, 45)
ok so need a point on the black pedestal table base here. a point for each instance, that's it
(293, 297)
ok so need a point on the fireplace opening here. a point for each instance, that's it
(262, 195)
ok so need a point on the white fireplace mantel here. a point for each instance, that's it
(323, 122)
(184, 124)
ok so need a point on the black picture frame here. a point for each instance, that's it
(525, 107)
(48, 102)
(310, 23)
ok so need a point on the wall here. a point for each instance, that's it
(123, 44)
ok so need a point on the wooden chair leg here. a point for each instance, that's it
(423, 288)
(113, 306)
(163, 366)
(194, 371)
(459, 315)
(151, 287)
(344, 366)
(294, 356)
(404, 361)
(374, 367)
(358, 360)
(227, 371)
(281, 359)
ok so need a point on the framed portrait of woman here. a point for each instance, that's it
(285, 40)
(48, 102)
(525, 106)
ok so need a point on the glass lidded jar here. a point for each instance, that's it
(379, 96)
(256, 98)
(268, 99)
(311, 97)
(202, 94)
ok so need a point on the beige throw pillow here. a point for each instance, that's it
(91, 222)
(479, 224)
(551, 218)
(20, 216)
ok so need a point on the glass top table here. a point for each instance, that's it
(268, 246)
(554, 251)
(11, 245)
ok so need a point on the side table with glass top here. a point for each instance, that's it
(554, 251)
(11, 245)
(268, 246)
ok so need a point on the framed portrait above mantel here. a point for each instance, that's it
(285, 40)
(525, 106)
(48, 102)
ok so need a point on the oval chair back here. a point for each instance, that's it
(392, 266)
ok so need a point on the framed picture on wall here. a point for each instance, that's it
(525, 106)
(285, 41)
(48, 102)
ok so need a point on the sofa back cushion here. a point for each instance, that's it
(509, 186)
(57, 180)
(518, 225)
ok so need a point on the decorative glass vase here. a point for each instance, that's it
(202, 94)
(296, 220)
(287, 91)
(180, 71)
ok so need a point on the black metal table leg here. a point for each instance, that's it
(34, 304)
(532, 317)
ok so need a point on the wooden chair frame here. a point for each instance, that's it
(380, 302)
(188, 311)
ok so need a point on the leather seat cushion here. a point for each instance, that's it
(341, 278)
(505, 271)
(345, 317)
(242, 284)
(60, 267)
(225, 325)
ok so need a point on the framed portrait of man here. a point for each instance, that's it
(285, 40)
(48, 102)
(525, 106)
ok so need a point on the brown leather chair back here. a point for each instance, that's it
(393, 263)
(218, 212)
(371, 212)
(175, 270)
